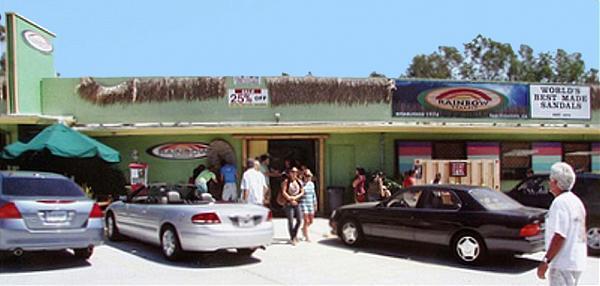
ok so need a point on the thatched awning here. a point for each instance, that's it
(155, 89)
(312, 90)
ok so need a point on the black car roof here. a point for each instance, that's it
(577, 176)
(463, 188)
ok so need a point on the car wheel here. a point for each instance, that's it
(245, 251)
(169, 244)
(351, 233)
(593, 240)
(468, 248)
(112, 232)
(83, 253)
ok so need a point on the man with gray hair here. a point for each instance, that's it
(253, 186)
(566, 249)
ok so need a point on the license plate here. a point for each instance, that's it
(245, 222)
(56, 216)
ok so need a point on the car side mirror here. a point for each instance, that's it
(123, 198)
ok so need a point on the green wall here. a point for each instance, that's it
(162, 170)
(60, 98)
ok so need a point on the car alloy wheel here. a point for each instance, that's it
(168, 239)
(110, 226)
(468, 248)
(350, 233)
(112, 232)
(593, 238)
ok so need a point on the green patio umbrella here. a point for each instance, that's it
(64, 142)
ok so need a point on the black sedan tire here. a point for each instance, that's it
(247, 252)
(169, 244)
(112, 232)
(468, 248)
(593, 240)
(83, 253)
(350, 232)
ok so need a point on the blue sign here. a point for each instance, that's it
(460, 99)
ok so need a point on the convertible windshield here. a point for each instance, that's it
(494, 200)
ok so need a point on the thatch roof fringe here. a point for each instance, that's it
(152, 90)
(311, 90)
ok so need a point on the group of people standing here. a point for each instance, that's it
(297, 196)
(373, 191)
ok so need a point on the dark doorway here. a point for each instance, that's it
(298, 152)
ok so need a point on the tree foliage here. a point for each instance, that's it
(485, 59)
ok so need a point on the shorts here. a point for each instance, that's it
(563, 277)
(230, 192)
(201, 187)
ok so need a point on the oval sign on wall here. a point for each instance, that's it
(179, 151)
(37, 41)
(463, 99)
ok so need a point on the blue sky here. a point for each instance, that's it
(328, 38)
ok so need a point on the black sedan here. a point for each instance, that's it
(472, 220)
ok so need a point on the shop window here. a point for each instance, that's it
(449, 150)
(575, 154)
(515, 160)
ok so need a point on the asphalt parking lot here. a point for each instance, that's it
(324, 261)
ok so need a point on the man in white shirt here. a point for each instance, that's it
(254, 188)
(565, 236)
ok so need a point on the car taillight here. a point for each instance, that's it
(530, 230)
(9, 211)
(270, 216)
(96, 212)
(206, 218)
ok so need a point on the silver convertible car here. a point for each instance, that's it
(174, 218)
(45, 211)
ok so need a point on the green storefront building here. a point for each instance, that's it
(331, 125)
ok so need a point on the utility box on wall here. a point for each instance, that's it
(484, 172)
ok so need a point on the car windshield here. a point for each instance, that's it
(494, 200)
(40, 187)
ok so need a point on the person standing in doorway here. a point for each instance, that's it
(265, 169)
(360, 179)
(292, 191)
(229, 178)
(253, 186)
(565, 234)
(308, 202)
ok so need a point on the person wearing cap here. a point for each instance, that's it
(565, 234)
(308, 202)
(253, 185)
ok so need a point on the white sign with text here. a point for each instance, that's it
(560, 101)
(248, 97)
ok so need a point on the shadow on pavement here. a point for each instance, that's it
(434, 254)
(190, 260)
(41, 261)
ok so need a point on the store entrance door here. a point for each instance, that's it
(307, 150)
(298, 153)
